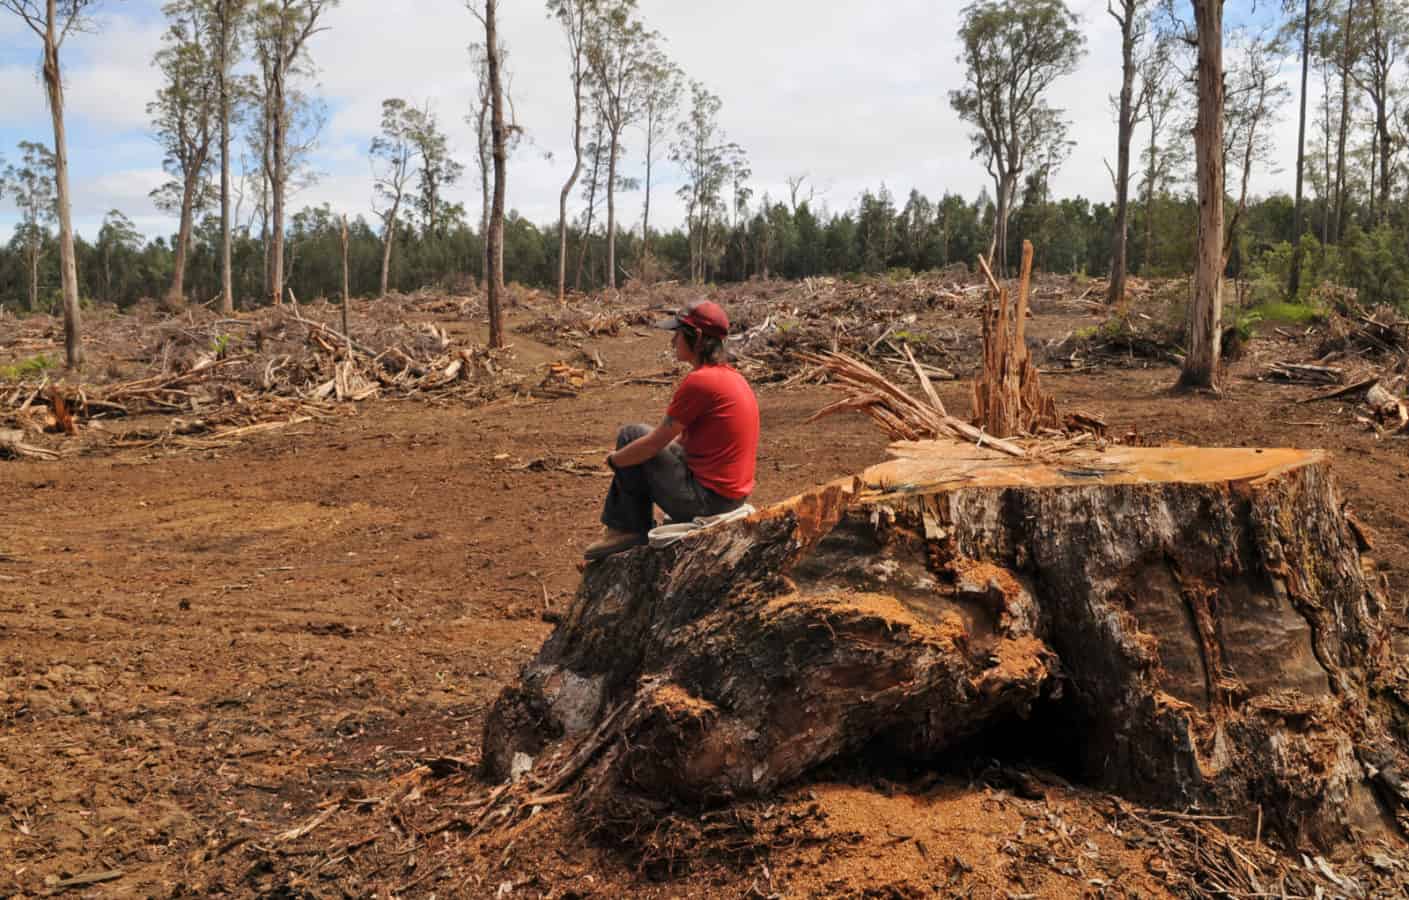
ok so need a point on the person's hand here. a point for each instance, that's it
(610, 464)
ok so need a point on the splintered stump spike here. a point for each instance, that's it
(1008, 397)
(1196, 625)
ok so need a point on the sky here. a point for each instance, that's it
(851, 93)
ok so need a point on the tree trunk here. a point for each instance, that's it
(611, 215)
(1206, 309)
(34, 276)
(176, 296)
(387, 240)
(1385, 143)
(1196, 624)
(68, 269)
(1344, 121)
(567, 191)
(227, 285)
(1148, 262)
(1120, 229)
(591, 207)
(1007, 190)
(646, 211)
(277, 129)
(1294, 280)
(495, 275)
(347, 288)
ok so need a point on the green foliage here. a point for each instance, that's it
(1284, 312)
(1374, 264)
(26, 368)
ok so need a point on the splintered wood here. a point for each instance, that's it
(1008, 396)
(901, 416)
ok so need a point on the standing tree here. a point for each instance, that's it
(1130, 15)
(1252, 96)
(51, 21)
(438, 172)
(494, 240)
(31, 184)
(118, 240)
(1160, 99)
(618, 48)
(1206, 308)
(702, 153)
(575, 17)
(183, 118)
(227, 20)
(1346, 61)
(594, 152)
(392, 152)
(1013, 51)
(663, 84)
(1385, 33)
(1294, 277)
(281, 32)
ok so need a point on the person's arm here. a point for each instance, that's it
(646, 446)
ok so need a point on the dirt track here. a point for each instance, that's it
(200, 648)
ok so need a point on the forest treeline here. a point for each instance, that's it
(882, 234)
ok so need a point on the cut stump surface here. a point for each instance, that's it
(1196, 625)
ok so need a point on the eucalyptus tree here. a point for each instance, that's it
(664, 83)
(52, 21)
(184, 122)
(1385, 33)
(31, 184)
(281, 31)
(1205, 316)
(393, 153)
(575, 17)
(1253, 95)
(1160, 102)
(487, 13)
(1133, 18)
(708, 162)
(618, 51)
(227, 23)
(1294, 276)
(437, 172)
(118, 242)
(1013, 51)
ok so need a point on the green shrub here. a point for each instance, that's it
(26, 368)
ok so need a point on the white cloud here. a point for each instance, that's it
(852, 93)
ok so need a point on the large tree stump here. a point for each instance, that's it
(1196, 622)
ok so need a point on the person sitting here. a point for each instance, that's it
(700, 460)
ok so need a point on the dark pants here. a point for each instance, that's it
(664, 480)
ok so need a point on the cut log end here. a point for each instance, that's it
(1199, 619)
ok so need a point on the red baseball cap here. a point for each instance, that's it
(704, 316)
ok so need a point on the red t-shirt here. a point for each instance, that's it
(720, 415)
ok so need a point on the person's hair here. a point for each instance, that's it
(707, 348)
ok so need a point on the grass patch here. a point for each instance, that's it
(1281, 312)
(35, 365)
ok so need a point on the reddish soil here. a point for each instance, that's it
(201, 650)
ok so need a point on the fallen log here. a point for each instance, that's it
(1302, 373)
(1196, 625)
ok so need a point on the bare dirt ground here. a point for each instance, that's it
(203, 650)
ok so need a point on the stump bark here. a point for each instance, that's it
(1196, 624)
